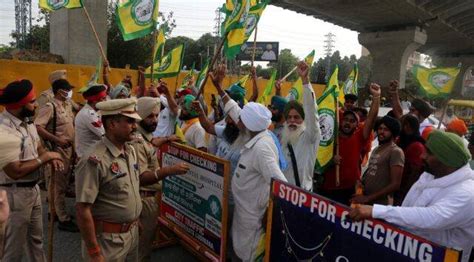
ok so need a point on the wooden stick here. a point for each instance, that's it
(289, 73)
(153, 54)
(338, 181)
(52, 214)
(96, 36)
(211, 66)
(254, 45)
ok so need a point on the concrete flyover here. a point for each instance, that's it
(392, 30)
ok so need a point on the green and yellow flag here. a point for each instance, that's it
(264, 99)
(350, 86)
(159, 45)
(136, 19)
(238, 32)
(94, 78)
(52, 5)
(169, 66)
(328, 122)
(435, 82)
(296, 92)
(188, 77)
(202, 74)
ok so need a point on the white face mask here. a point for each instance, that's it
(69, 95)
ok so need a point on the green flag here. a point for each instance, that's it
(265, 97)
(435, 82)
(350, 86)
(328, 122)
(159, 45)
(136, 19)
(95, 76)
(296, 92)
(169, 66)
(202, 74)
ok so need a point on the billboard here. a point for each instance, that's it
(264, 51)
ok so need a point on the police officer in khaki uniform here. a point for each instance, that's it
(24, 230)
(55, 125)
(48, 95)
(108, 202)
(149, 108)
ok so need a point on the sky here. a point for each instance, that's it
(298, 32)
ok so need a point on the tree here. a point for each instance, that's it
(286, 62)
(38, 37)
(135, 52)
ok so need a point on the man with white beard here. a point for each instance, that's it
(301, 135)
(258, 164)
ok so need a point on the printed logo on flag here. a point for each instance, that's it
(251, 23)
(326, 123)
(348, 85)
(165, 63)
(142, 11)
(439, 79)
(57, 4)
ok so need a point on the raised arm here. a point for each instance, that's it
(205, 122)
(278, 88)
(310, 106)
(141, 82)
(173, 106)
(374, 110)
(105, 75)
(395, 99)
(253, 74)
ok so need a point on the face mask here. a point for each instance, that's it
(69, 95)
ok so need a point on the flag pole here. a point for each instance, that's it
(289, 73)
(153, 54)
(254, 45)
(445, 108)
(211, 66)
(52, 214)
(96, 36)
(338, 181)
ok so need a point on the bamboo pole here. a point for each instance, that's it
(336, 131)
(211, 66)
(52, 214)
(254, 45)
(96, 36)
(153, 55)
(289, 73)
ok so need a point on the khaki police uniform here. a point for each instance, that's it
(147, 160)
(24, 230)
(64, 129)
(108, 179)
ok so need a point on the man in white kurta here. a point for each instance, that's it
(438, 207)
(258, 164)
(301, 132)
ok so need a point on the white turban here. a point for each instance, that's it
(256, 117)
(146, 105)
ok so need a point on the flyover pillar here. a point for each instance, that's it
(390, 51)
(71, 35)
(464, 85)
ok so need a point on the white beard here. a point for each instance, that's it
(291, 136)
(242, 139)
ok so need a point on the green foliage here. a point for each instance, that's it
(38, 37)
(286, 62)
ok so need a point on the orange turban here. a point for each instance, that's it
(457, 126)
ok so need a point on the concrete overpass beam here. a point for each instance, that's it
(390, 51)
(464, 85)
(71, 35)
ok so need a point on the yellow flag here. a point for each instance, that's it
(55, 5)
(264, 98)
(179, 133)
(296, 92)
(436, 82)
(136, 19)
(328, 123)
(169, 66)
(159, 45)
